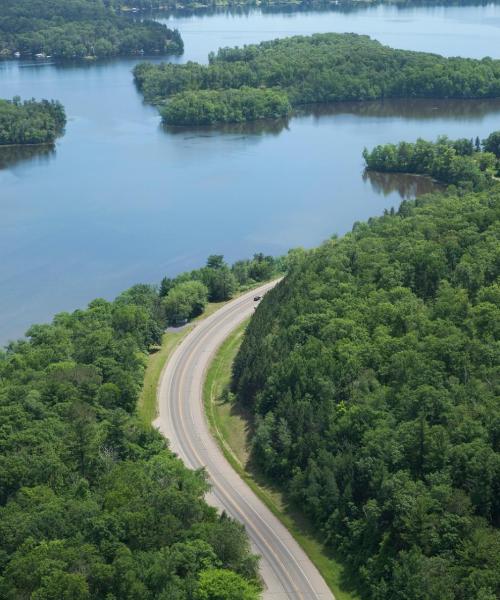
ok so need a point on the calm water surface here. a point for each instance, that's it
(120, 200)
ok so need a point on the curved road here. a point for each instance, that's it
(286, 570)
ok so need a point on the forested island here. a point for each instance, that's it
(321, 68)
(31, 121)
(464, 162)
(206, 107)
(93, 505)
(372, 374)
(75, 29)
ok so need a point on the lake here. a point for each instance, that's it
(121, 200)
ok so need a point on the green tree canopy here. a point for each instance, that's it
(372, 374)
(220, 584)
(30, 122)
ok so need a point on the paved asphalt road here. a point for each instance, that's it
(286, 570)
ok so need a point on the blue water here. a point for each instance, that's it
(122, 201)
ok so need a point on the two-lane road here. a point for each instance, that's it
(286, 570)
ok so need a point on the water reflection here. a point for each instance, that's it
(252, 128)
(417, 108)
(406, 185)
(306, 7)
(11, 155)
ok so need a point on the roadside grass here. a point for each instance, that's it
(147, 405)
(232, 427)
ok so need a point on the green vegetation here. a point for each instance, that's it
(220, 584)
(207, 107)
(158, 357)
(463, 162)
(185, 301)
(232, 426)
(372, 374)
(492, 144)
(229, 426)
(186, 296)
(92, 504)
(197, 294)
(323, 68)
(78, 29)
(30, 122)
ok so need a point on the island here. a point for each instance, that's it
(206, 107)
(30, 122)
(320, 68)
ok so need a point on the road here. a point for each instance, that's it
(286, 570)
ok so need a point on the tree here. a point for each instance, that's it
(216, 261)
(220, 584)
(221, 283)
(185, 301)
(492, 143)
(165, 286)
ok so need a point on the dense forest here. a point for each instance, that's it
(92, 504)
(324, 68)
(77, 29)
(463, 162)
(372, 370)
(30, 122)
(207, 107)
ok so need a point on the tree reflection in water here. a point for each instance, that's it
(252, 128)
(408, 186)
(11, 155)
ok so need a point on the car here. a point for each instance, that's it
(257, 298)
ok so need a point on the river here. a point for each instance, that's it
(121, 201)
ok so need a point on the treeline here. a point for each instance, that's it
(324, 68)
(464, 162)
(185, 296)
(92, 504)
(207, 107)
(277, 5)
(31, 121)
(67, 29)
(372, 371)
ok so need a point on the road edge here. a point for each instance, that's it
(233, 460)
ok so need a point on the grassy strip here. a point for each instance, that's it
(147, 407)
(232, 427)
